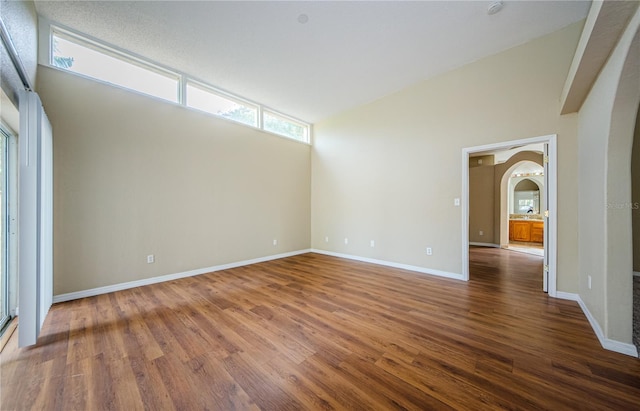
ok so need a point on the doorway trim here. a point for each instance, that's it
(550, 247)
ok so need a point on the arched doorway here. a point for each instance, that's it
(607, 124)
(526, 208)
(619, 217)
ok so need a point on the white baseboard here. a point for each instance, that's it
(567, 296)
(484, 244)
(636, 273)
(422, 270)
(169, 277)
(611, 345)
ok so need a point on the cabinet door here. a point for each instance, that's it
(537, 232)
(522, 231)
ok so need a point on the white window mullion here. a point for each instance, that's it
(182, 90)
(261, 117)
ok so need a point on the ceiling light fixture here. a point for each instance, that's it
(495, 7)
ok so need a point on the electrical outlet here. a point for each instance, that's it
(275, 242)
(326, 239)
(151, 259)
(372, 243)
(429, 251)
(346, 240)
(456, 202)
(481, 232)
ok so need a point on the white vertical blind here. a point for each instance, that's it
(35, 219)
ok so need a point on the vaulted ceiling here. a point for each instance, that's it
(313, 59)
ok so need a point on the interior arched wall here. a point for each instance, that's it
(605, 133)
(501, 184)
(619, 250)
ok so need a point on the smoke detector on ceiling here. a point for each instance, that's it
(495, 7)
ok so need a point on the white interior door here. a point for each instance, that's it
(35, 225)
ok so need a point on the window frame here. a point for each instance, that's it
(107, 50)
(5, 313)
(49, 29)
(9, 219)
(188, 81)
(284, 117)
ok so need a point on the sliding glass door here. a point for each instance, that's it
(4, 228)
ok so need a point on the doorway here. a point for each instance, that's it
(548, 145)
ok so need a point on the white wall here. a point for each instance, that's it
(389, 171)
(135, 176)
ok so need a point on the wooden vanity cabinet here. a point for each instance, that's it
(537, 232)
(530, 231)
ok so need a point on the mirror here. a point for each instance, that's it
(526, 198)
(525, 189)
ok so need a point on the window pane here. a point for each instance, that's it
(211, 102)
(285, 127)
(82, 59)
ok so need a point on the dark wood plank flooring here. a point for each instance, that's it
(320, 333)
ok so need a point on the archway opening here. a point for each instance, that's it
(524, 202)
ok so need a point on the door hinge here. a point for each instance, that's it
(546, 213)
(546, 268)
(546, 159)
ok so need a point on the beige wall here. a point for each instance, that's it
(481, 161)
(135, 176)
(526, 185)
(481, 204)
(606, 122)
(389, 171)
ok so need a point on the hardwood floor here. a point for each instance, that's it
(318, 332)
